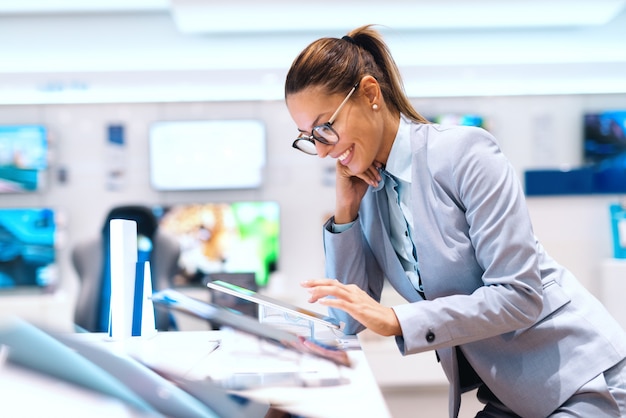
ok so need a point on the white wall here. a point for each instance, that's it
(534, 131)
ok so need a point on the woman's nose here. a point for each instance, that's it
(322, 149)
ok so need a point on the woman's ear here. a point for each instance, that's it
(371, 90)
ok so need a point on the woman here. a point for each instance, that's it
(438, 212)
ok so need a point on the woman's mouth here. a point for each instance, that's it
(342, 158)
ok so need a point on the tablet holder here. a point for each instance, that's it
(286, 321)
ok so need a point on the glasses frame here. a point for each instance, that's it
(328, 125)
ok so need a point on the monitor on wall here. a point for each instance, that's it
(604, 149)
(236, 237)
(27, 249)
(23, 158)
(207, 155)
(465, 119)
(605, 138)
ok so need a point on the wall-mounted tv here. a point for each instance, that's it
(465, 119)
(605, 138)
(23, 158)
(207, 155)
(27, 248)
(604, 157)
(237, 237)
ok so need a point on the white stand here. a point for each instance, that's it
(283, 320)
(123, 250)
(148, 322)
(123, 269)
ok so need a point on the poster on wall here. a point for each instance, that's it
(116, 157)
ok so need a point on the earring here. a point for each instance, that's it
(374, 106)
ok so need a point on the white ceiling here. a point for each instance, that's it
(155, 50)
(211, 16)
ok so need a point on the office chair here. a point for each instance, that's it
(91, 262)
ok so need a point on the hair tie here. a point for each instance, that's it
(349, 39)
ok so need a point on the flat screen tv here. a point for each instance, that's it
(27, 249)
(465, 119)
(23, 158)
(207, 155)
(605, 138)
(237, 237)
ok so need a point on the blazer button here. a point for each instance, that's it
(430, 336)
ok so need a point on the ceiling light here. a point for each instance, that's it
(244, 16)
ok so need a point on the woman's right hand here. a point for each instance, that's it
(350, 189)
(356, 302)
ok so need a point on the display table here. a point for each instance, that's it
(301, 385)
(215, 361)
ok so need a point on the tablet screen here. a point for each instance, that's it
(264, 300)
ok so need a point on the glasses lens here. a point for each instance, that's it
(305, 145)
(325, 134)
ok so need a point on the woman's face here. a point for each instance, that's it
(359, 139)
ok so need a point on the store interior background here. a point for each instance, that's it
(531, 70)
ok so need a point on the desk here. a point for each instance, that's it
(193, 356)
(189, 353)
(27, 393)
(53, 361)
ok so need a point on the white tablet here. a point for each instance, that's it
(264, 300)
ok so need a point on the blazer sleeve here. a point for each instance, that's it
(349, 259)
(478, 251)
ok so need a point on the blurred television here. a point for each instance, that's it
(207, 155)
(27, 249)
(605, 149)
(605, 138)
(236, 237)
(465, 119)
(23, 158)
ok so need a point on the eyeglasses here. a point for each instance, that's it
(321, 133)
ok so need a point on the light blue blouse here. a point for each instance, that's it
(396, 181)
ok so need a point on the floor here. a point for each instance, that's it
(427, 402)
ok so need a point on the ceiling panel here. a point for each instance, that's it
(126, 54)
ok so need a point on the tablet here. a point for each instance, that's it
(175, 300)
(269, 302)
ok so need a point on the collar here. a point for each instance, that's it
(399, 161)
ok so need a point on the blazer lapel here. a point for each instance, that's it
(375, 212)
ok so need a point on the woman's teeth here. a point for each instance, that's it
(344, 155)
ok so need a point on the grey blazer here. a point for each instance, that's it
(528, 328)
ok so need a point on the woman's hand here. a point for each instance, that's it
(350, 189)
(350, 298)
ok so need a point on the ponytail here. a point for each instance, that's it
(337, 64)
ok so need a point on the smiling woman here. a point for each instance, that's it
(438, 212)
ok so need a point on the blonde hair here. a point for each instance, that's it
(336, 64)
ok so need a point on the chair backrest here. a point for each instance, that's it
(91, 260)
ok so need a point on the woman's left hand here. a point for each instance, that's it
(350, 298)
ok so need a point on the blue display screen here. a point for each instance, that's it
(605, 138)
(27, 248)
(23, 158)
